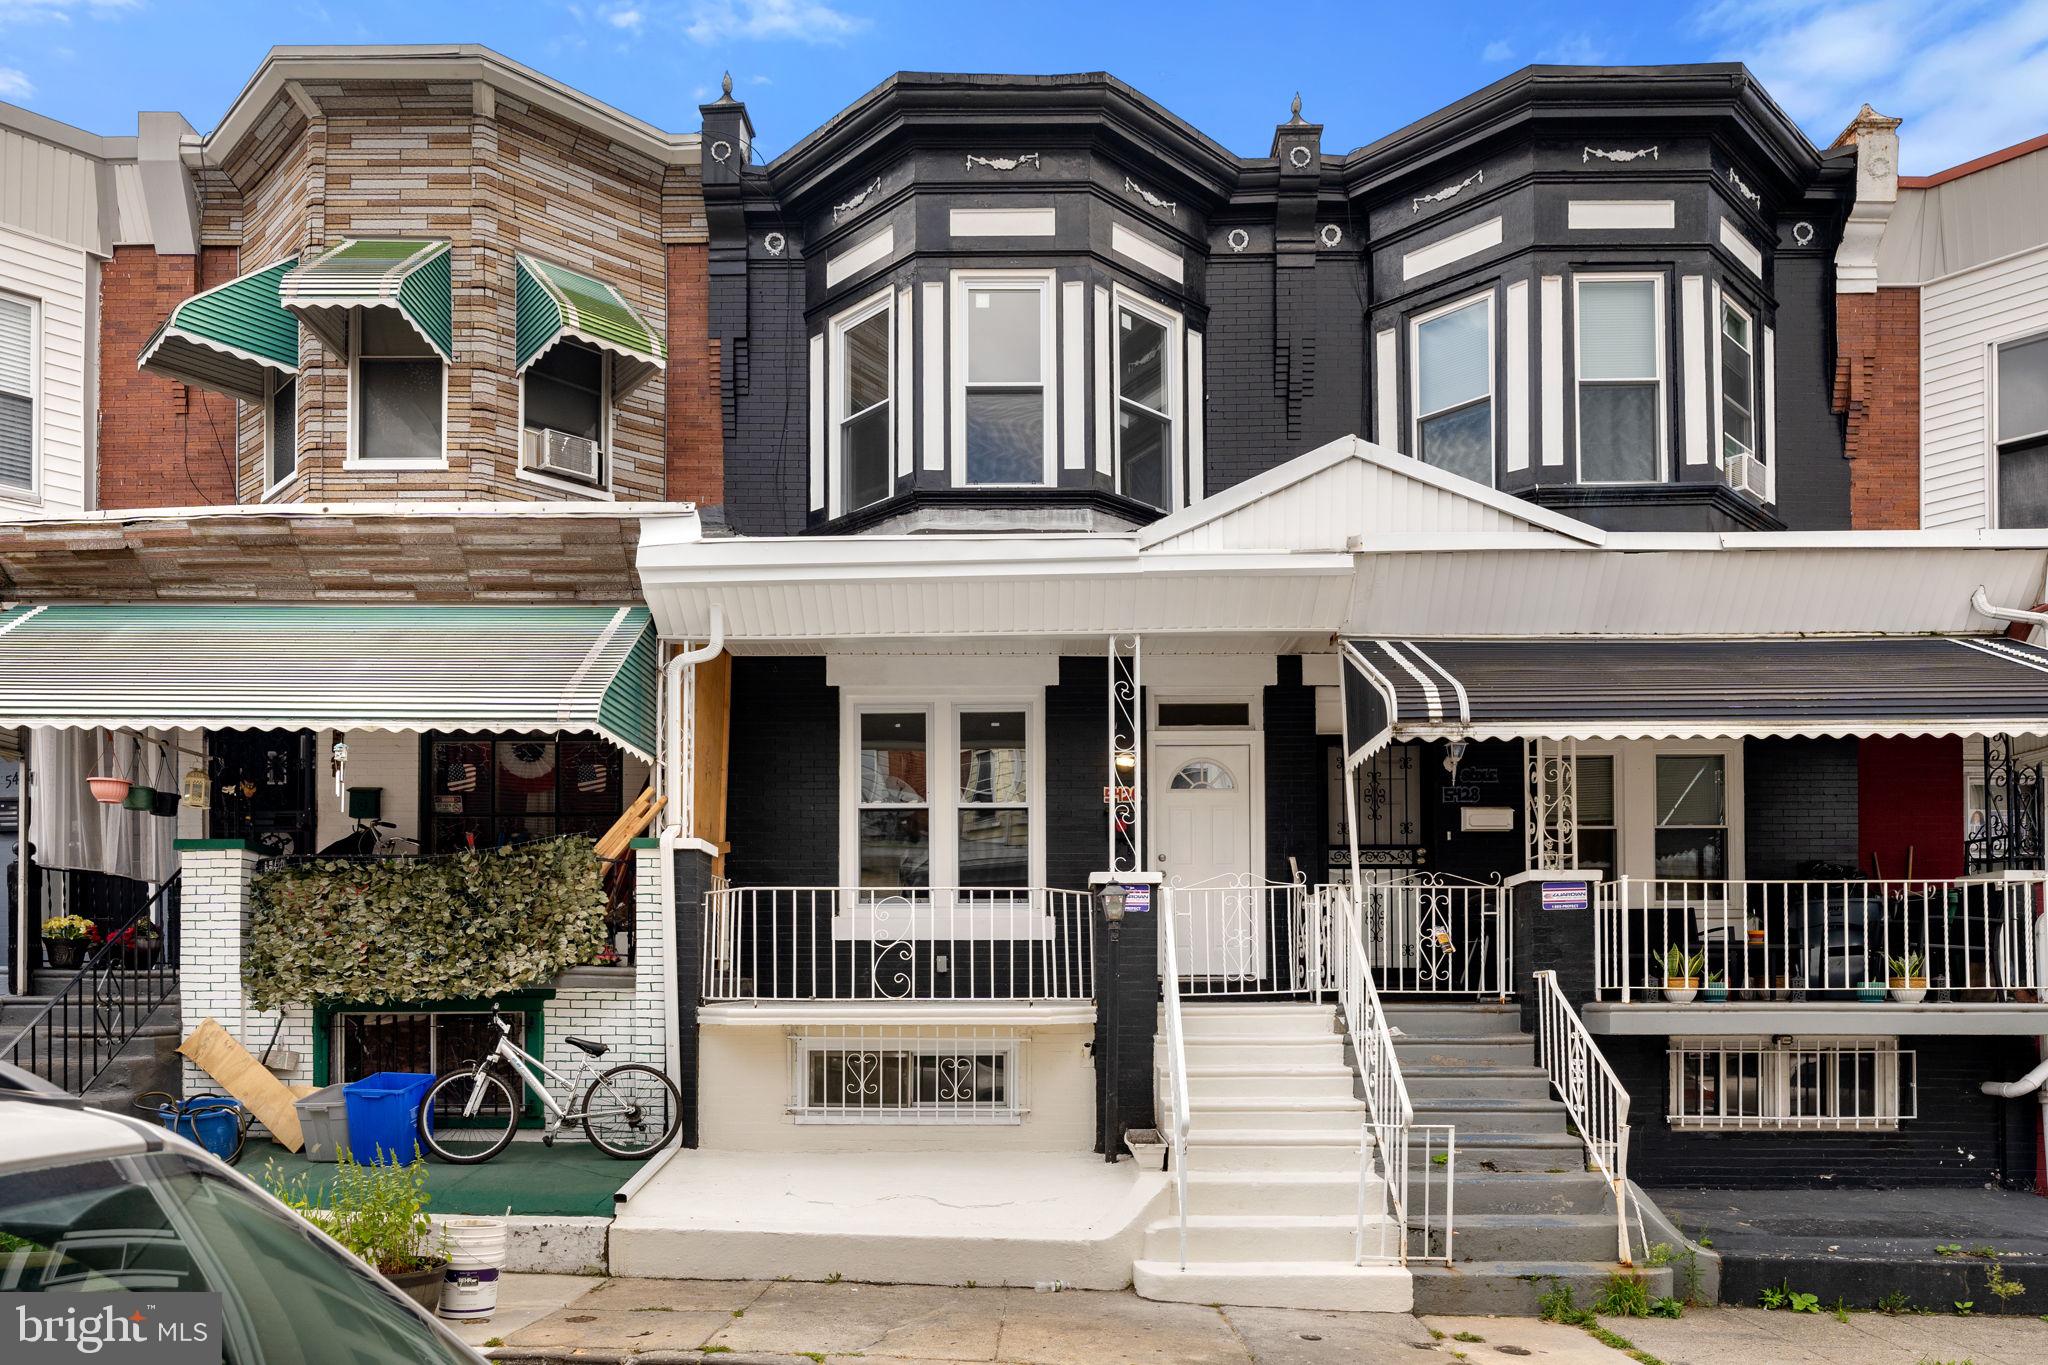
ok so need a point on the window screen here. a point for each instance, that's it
(1619, 389)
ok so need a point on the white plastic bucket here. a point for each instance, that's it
(476, 1253)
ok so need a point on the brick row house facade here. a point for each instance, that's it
(1250, 667)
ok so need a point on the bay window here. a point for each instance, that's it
(1002, 426)
(400, 392)
(863, 428)
(1453, 389)
(920, 822)
(1738, 383)
(1620, 330)
(1144, 426)
(2022, 432)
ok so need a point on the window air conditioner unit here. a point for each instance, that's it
(1746, 474)
(564, 456)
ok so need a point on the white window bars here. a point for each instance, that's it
(912, 1076)
(1809, 1084)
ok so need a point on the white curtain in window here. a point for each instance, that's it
(1617, 329)
(2022, 389)
(72, 830)
(1455, 366)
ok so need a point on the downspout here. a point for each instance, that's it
(1980, 603)
(676, 829)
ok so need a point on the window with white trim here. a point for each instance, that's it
(281, 430)
(1453, 388)
(565, 401)
(863, 415)
(920, 822)
(1598, 823)
(1005, 401)
(400, 391)
(1811, 1084)
(1692, 816)
(2022, 432)
(1620, 340)
(17, 393)
(1738, 382)
(923, 1076)
(1144, 388)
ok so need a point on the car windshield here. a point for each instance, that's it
(167, 1222)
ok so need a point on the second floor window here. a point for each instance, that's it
(1738, 383)
(566, 407)
(2022, 428)
(281, 434)
(1005, 432)
(400, 392)
(863, 413)
(1144, 431)
(1453, 393)
(17, 393)
(1621, 380)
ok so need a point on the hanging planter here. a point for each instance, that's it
(109, 788)
(164, 795)
(138, 798)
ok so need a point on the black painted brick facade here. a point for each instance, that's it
(1126, 1022)
(767, 460)
(1244, 408)
(1799, 804)
(692, 880)
(1962, 1137)
(783, 815)
(1076, 768)
(1294, 778)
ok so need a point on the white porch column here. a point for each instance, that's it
(213, 917)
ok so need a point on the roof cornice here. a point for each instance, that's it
(437, 62)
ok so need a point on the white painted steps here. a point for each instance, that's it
(1273, 1169)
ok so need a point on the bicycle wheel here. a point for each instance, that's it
(457, 1124)
(631, 1112)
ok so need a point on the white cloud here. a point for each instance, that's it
(15, 85)
(1579, 49)
(806, 21)
(1498, 51)
(1967, 76)
(759, 80)
(628, 19)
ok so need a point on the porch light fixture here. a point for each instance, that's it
(198, 791)
(1126, 760)
(1454, 754)
(1110, 901)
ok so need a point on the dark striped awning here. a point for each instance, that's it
(1690, 689)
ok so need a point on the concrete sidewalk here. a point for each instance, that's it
(547, 1318)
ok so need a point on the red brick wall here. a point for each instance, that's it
(1909, 795)
(696, 437)
(1877, 385)
(161, 444)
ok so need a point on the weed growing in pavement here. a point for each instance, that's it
(1624, 1296)
(1467, 1336)
(2005, 1290)
(1965, 1307)
(1894, 1303)
(1667, 1307)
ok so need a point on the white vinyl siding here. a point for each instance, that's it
(1962, 319)
(57, 281)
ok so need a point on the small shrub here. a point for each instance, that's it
(376, 1212)
(2005, 1290)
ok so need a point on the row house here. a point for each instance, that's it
(1363, 689)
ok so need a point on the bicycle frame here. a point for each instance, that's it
(526, 1064)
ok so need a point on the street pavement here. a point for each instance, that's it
(549, 1318)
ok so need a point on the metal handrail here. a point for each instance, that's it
(75, 1037)
(1593, 1095)
(1176, 1064)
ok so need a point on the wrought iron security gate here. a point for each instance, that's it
(2004, 830)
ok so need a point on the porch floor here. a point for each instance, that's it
(1862, 1244)
(573, 1179)
(995, 1218)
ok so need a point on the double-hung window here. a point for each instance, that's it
(1620, 379)
(922, 823)
(1692, 816)
(1453, 389)
(994, 814)
(1004, 425)
(863, 416)
(894, 815)
(1738, 382)
(566, 403)
(2022, 427)
(401, 388)
(1597, 829)
(1144, 388)
(281, 430)
(17, 394)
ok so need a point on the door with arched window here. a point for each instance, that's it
(1202, 838)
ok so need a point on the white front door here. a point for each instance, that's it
(1202, 803)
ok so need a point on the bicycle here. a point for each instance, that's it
(468, 1116)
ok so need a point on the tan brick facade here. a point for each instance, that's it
(161, 443)
(1877, 388)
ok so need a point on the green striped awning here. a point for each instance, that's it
(407, 668)
(411, 277)
(554, 302)
(229, 338)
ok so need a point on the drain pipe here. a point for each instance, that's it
(1980, 602)
(2025, 1085)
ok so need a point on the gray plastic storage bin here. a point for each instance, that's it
(323, 1119)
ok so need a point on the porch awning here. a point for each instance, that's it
(553, 302)
(1690, 689)
(409, 277)
(229, 338)
(409, 668)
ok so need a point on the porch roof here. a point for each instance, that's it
(411, 668)
(1590, 688)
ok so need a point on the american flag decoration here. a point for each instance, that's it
(461, 776)
(591, 776)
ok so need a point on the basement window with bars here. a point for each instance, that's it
(917, 1076)
(1804, 1084)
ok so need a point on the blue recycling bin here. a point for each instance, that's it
(383, 1116)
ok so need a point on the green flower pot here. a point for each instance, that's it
(139, 798)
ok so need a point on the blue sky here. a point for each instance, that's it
(1969, 76)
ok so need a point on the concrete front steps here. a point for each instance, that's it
(1528, 1212)
(148, 1062)
(1273, 1169)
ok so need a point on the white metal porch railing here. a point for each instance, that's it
(1426, 1213)
(1433, 934)
(1179, 1115)
(1246, 936)
(1593, 1095)
(1962, 941)
(826, 943)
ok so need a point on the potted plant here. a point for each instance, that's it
(1909, 979)
(1682, 974)
(1870, 992)
(65, 940)
(138, 944)
(1716, 991)
(109, 788)
(377, 1213)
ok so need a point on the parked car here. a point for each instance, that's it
(93, 1202)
